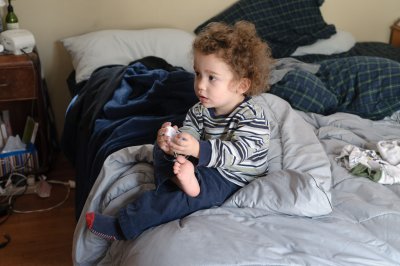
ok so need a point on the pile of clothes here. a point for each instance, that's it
(381, 165)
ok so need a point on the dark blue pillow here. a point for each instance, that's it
(283, 24)
(306, 92)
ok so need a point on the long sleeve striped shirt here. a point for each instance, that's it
(236, 144)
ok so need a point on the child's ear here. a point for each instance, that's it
(244, 85)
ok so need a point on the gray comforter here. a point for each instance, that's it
(308, 210)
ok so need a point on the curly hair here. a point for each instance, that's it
(239, 47)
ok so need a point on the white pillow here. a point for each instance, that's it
(107, 47)
(340, 42)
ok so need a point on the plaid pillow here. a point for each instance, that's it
(283, 24)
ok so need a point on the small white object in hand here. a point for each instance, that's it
(170, 132)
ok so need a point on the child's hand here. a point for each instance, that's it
(163, 141)
(185, 144)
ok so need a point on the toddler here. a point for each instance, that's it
(222, 145)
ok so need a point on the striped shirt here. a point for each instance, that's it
(236, 144)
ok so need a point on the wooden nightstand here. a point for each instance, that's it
(21, 94)
(395, 35)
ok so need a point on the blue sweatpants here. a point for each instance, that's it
(168, 202)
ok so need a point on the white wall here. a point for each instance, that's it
(51, 20)
(367, 20)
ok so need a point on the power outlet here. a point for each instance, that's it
(12, 190)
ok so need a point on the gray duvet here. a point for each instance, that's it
(308, 210)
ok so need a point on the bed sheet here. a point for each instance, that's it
(309, 210)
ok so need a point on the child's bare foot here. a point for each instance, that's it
(185, 177)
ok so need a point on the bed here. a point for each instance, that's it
(311, 208)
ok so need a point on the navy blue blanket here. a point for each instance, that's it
(135, 101)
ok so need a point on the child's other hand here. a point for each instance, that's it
(185, 144)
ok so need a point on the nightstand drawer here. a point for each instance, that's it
(17, 83)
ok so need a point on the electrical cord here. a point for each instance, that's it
(67, 185)
(18, 170)
(7, 203)
(10, 199)
(18, 183)
(22, 183)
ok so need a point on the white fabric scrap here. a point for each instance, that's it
(390, 151)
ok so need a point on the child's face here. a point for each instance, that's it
(215, 84)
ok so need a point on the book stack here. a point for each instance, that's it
(30, 131)
(5, 127)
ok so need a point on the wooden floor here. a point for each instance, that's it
(42, 238)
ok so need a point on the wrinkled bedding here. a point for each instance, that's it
(308, 210)
(122, 106)
(362, 85)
